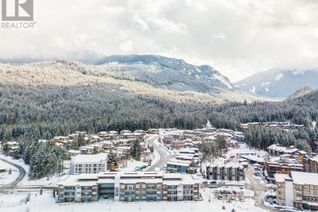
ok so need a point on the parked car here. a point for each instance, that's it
(213, 184)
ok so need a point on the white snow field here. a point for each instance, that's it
(46, 203)
(11, 201)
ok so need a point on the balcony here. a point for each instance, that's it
(129, 192)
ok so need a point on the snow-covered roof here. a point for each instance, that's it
(187, 151)
(141, 180)
(315, 158)
(254, 158)
(72, 151)
(185, 156)
(74, 180)
(283, 149)
(305, 178)
(126, 178)
(172, 176)
(220, 162)
(12, 142)
(178, 163)
(90, 158)
(281, 177)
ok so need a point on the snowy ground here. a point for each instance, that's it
(11, 200)
(6, 178)
(46, 203)
(244, 148)
(46, 181)
(131, 165)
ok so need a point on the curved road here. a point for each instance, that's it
(22, 174)
(163, 155)
(257, 187)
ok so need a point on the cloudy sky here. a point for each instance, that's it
(237, 37)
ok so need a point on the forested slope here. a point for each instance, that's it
(39, 101)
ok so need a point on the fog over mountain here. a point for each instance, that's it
(238, 38)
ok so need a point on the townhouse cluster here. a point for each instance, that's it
(130, 186)
(186, 156)
(283, 160)
(185, 160)
(178, 139)
(102, 142)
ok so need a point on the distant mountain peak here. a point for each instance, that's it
(276, 83)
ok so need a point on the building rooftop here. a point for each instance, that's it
(281, 177)
(283, 149)
(127, 178)
(178, 163)
(305, 178)
(89, 158)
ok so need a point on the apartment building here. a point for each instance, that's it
(86, 164)
(225, 171)
(136, 186)
(298, 189)
(281, 167)
(178, 166)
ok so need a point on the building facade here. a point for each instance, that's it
(273, 168)
(177, 166)
(311, 164)
(88, 164)
(229, 171)
(298, 189)
(139, 186)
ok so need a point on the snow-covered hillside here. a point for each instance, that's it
(169, 73)
(279, 83)
(150, 75)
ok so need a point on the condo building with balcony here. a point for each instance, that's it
(136, 186)
(88, 164)
(298, 189)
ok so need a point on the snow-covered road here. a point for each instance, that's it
(162, 155)
(18, 178)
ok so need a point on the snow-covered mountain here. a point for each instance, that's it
(169, 73)
(279, 83)
(147, 75)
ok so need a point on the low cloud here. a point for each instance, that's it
(237, 37)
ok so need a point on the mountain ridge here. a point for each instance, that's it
(277, 83)
(169, 77)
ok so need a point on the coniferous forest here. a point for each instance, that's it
(33, 112)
